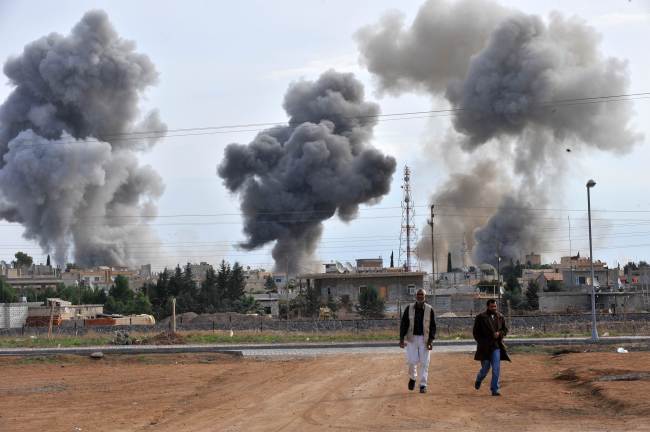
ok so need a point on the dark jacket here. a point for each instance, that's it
(484, 328)
(417, 324)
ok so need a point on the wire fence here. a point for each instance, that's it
(632, 324)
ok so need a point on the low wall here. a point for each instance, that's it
(632, 322)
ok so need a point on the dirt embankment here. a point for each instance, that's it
(185, 393)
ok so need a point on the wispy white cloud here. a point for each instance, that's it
(344, 63)
(622, 19)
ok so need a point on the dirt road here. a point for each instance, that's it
(346, 393)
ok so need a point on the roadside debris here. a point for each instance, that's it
(123, 338)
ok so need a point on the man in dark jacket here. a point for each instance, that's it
(418, 327)
(489, 331)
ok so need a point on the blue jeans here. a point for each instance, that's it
(495, 362)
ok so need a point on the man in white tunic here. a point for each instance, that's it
(417, 332)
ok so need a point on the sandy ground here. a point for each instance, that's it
(344, 392)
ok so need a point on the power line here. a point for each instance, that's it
(407, 115)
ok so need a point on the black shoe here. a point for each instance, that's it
(411, 384)
(496, 393)
(423, 389)
(477, 384)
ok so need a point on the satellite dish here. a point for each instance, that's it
(349, 267)
(339, 267)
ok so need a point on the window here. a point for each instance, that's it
(267, 310)
(581, 280)
(362, 288)
(411, 289)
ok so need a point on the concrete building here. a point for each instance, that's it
(145, 272)
(256, 280)
(540, 276)
(461, 300)
(394, 287)
(28, 284)
(575, 279)
(199, 272)
(580, 301)
(102, 277)
(14, 315)
(579, 263)
(533, 259)
(270, 302)
(365, 265)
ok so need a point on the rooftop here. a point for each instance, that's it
(383, 274)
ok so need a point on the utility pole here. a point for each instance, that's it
(594, 329)
(499, 273)
(286, 283)
(570, 250)
(433, 253)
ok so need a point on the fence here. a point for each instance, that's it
(633, 323)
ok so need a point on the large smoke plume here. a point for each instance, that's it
(69, 134)
(292, 178)
(513, 80)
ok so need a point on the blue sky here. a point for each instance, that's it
(231, 62)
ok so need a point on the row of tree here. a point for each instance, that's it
(221, 291)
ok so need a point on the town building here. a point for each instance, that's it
(533, 259)
(199, 272)
(394, 285)
(256, 280)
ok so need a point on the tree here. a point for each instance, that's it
(247, 304)
(140, 305)
(223, 275)
(553, 286)
(532, 297)
(208, 298)
(236, 283)
(120, 290)
(513, 292)
(269, 284)
(449, 267)
(332, 305)
(370, 305)
(48, 261)
(312, 302)
(7, 292)
(23, 260)
(119, 296)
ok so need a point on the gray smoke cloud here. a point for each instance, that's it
(506, 74)
(455, 223)
(292, 178)
(68, 167)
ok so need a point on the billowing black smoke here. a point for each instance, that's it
(68, 166)
(292, 178)
(511, 78)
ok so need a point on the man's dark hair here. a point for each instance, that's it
(490, 301)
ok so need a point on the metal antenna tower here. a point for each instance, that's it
(408, 233)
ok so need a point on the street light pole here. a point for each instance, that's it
(594, 330)
(433, 259)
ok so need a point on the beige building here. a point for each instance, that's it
(533, 259)
(256, 280)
